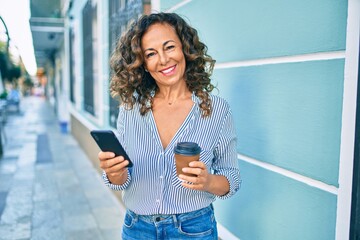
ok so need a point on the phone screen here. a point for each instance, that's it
(108, 142)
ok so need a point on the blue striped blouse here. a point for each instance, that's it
(152, 186)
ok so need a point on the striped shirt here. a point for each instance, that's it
(152, 186)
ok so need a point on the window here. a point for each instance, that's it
(90, 59)
(120, 15)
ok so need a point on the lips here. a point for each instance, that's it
(168, 71)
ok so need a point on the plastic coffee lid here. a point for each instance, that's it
(187, 148)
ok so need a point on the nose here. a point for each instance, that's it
(164, 58)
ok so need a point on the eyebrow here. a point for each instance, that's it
(164, 44)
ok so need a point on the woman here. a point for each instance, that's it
(162, 75)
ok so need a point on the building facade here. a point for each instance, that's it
(289, 70)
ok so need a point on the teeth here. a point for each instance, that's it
(168, 70)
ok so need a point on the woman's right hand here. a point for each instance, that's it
(114, 167)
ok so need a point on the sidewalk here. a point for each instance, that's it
(48, 188)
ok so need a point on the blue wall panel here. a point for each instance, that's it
(273, 207)
(166, 4)
(251, 29)
(289, 114)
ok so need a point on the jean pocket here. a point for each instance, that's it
(129, 220)
(200, 226)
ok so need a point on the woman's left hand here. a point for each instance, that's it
(201, 181)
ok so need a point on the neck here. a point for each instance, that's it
(171, 96)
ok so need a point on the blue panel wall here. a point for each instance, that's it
(238, 30)
(289, 114)
(165, 5)
(272, 207)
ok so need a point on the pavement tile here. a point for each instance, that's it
(3, 196)
(47, 233)
(111, 234)
(13, 147)
(45, 196)
(7, 167)
(10, 154)
(24, 173)
(66, 178)
(45, 172)
(94, 192)
(20, 194)
(101, 202)
(89, 234)
(8, 158)
(6, 180)
(71, 210)
(79, 222)
(48, 204)
(14, 214)
(43, 150)
(50, 218)
(73, 197)
(22, 183)
(15, 231)
(87, 177)
(108, 218)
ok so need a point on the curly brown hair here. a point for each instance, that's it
(133, 84)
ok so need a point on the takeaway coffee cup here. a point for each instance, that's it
(186, 152)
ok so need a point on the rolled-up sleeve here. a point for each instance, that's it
(116, 187)
(226, 162)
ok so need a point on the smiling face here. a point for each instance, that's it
(163, 55)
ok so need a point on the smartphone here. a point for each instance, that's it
(108, 142)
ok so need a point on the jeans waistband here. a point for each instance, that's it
(170, 218)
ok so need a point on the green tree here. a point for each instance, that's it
(4, 64)
(14, 73)
(10, 71)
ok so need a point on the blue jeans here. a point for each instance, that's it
(196, 225)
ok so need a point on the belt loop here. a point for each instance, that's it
(175, 220)
(134, 215)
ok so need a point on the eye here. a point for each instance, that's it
(170, 47)
(150, 54)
